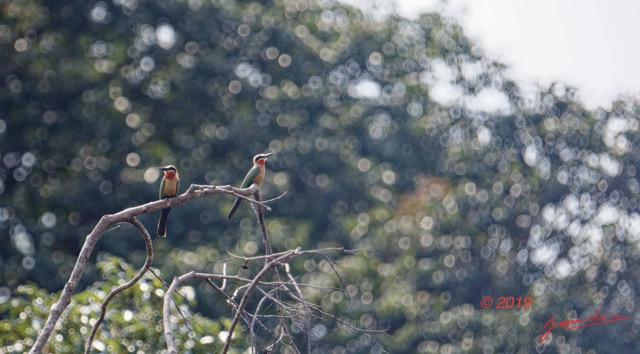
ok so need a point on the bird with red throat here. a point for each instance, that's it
(255, 175)
(168, 189)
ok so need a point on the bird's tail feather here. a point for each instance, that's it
(234, 208)
(162, 224)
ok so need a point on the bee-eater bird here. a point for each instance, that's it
(168, 189)
(255, 175)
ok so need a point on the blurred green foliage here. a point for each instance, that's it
(132, 323)
(397, 138)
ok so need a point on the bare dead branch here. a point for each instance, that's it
(276, 275)
(254, 318)
(230, 301)
(265, 239)
(292, 280)
(65, 298)
(295, 309)
(300, 312)
(166, 308)
(127, 285)
(166, 311)
(107, 222)
(253, 284)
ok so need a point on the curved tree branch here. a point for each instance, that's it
(127, 285)
(108, 221)
(248, 286)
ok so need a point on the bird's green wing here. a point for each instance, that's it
(251, 175)
(160, 192)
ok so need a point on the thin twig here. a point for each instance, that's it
(287, 270)
(230, 301)
(252, 335)
(241, 193)
(361, 330)
(274, 199)
(302, 252)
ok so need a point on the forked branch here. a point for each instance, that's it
(126, 216)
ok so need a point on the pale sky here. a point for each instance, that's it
(588, 44)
